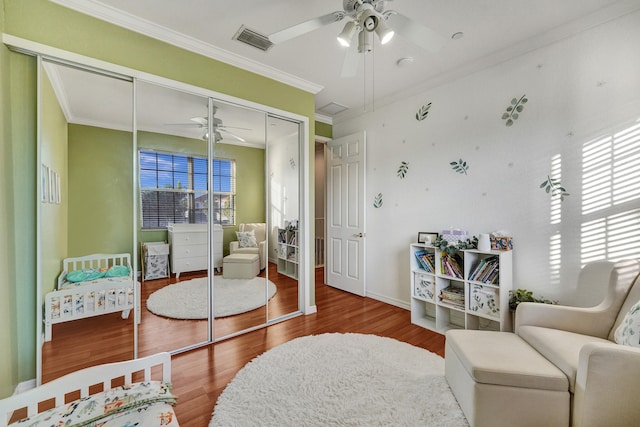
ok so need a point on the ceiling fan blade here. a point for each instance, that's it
(233, 135)
(414, 32)
(306, 27)
(185, 125)
(223, 127)
(351, 62)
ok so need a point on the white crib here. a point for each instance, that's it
(72, 301)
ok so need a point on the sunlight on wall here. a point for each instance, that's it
(610, 195)
(555, 258)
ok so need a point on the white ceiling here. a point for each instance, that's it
(494, 30)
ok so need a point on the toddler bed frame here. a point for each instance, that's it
(82, 380)
(92, 298)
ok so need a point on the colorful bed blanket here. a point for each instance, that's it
(141, 404)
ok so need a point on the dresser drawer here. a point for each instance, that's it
(189, 264)
(189, 238)
(188, 251)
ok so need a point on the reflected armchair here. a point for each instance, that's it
(260, 231)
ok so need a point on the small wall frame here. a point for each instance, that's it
(427, 237)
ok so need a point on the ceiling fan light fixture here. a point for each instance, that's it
(384, 32)
(365, 42)
(347, 33)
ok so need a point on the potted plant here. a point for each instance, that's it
(523, 295)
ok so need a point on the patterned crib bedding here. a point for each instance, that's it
(114, 292)
(147, 403)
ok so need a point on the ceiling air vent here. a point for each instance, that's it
(253, 38)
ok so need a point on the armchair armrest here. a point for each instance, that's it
(607, 386)
(587, 321)
(233, 246)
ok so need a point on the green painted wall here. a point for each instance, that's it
(324, 129)
(100, 195)
(8, 337)
(50, 24)
(20, 211)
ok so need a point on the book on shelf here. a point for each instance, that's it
(450, 266)
(453, 296)
(426, 260)
(487, 270)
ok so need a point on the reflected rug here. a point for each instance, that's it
(188, 300)
(340, 379)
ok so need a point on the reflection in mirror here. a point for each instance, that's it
(172, 218)
(85, 208)
(241, 291)
(283, 148)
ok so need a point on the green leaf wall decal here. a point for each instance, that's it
(553, 187)
(460, 166)
(423, 112)
(514, 110)
(377, 202)
(403, 169)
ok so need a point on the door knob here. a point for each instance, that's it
(358, 235)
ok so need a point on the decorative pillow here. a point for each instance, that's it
(88, 410)
(628, 333)
(247, 239)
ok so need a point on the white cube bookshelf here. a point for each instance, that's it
(471, 293)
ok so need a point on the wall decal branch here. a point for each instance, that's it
(554, 187)
(423, 112)
(514, 110)
(377, 202)
(460, 166)
(403, 169)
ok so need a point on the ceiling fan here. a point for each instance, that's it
(217, 127)
(365, 17)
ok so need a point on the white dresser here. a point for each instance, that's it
(188, 247)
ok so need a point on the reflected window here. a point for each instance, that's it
(173, 189)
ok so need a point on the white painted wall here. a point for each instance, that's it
(579, 89)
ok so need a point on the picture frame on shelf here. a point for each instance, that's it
(426, 237)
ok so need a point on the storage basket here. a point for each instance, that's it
(424, 287)
(484, 300)
(155, 260)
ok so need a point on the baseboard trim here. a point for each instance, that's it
(24, 386)
(310, 309)
(387, 300)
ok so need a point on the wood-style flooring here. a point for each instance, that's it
(200, 375)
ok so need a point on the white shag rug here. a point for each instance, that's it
(188, 300)
(340, 380)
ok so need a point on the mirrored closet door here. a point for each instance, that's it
(85, 144)
(180, 217)
(283, 207)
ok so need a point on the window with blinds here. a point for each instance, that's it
(173, 189)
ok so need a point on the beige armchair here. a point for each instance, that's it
(561, 367)
(603, 376)
(260, 230)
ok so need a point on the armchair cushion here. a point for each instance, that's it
(561, 348)
(628, 332)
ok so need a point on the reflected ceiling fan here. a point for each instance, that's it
(217, 127)
(365, 17)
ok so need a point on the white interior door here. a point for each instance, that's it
(346, 213)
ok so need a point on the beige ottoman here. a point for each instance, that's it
(499, 380)
(240, 266)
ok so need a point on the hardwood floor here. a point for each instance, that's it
(200, 375)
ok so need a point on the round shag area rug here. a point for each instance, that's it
(188, 300)
(341, 380)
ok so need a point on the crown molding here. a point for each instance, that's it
(131, 22)
(324, 119)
